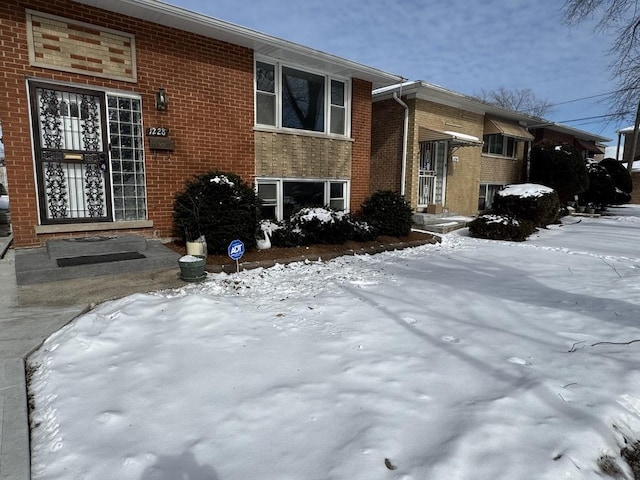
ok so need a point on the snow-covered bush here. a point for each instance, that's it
(501, 227)
(535, 203)
(321, 225)
(219, 206)
(388, 212)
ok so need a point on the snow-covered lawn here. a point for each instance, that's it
(471, 359)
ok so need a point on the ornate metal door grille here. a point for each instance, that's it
(71, 156)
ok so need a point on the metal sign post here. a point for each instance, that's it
(236, 250)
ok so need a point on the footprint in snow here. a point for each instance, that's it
(518, 361)
(450, 339)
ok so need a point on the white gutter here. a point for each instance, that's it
(405, 135)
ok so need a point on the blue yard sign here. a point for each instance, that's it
(236, 250)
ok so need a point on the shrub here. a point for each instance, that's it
(535, 203)
(501, 227)
(320, 225)
(561, 168)
(602, 189)
(388, 213)
(219, 206)
(621, 178)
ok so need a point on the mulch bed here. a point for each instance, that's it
(278, 255)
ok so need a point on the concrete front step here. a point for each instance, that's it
(40, 265)
(439, 223)
(77, 247)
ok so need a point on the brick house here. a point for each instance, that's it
(450, 152)
(108, 107)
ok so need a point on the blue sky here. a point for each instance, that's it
(462, 45)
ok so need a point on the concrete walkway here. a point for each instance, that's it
(28, 315)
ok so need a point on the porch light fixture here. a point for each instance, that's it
(161, 100)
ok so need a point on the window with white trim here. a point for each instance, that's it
(498, 144)
(292, 98)
(487, 193)
(283, 197)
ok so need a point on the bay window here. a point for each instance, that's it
(291, 98)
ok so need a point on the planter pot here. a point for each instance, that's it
(591, 211)
(197, 248)
(192, 268)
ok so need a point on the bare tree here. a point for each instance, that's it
(622, 19)
(520, 100)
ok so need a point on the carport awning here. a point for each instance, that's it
(506, 128)
(588, 146)
(455, 139)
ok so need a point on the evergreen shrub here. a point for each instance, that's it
(220, 206)
(388, 213)
(542, 209)
(321, 225)
(501, 227)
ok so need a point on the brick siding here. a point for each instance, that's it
(210, 115)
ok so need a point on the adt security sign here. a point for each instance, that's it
(236, 249)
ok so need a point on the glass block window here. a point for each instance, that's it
(127, 158)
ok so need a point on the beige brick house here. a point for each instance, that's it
(445, 151)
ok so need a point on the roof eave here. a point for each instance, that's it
(172, 16)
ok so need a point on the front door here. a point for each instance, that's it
(71, 154)
(433, 172)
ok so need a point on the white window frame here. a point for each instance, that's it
(485, 187)
(279, 182)
(505, 141)
(327, 107)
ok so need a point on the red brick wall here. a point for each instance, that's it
(361, 152)
(210, 115)
(386, 145)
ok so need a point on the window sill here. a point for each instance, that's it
(92, 227)
(499, 157)
(301, 133)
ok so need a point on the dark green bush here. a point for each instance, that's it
(388, 213)
(501, 227)
(541, 209)
(319, 225)
(602, 189)
(561, 168)
(219, 206)
(619, 174)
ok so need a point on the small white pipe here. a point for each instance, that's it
(405, 134)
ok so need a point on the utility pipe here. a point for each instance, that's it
(405, 135)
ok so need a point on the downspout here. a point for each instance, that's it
(405, 135)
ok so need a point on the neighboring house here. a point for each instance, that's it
(445, 151)
(625, 142)
(589, 145)
(114, 104)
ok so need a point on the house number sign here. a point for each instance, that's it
(157, 132)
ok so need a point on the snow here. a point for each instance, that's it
(222, 179)
(525, 190)
(189, 259)
(469, 359)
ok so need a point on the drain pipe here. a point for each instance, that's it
(405, 134)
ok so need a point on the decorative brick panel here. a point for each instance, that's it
(295, 156)
(62, 44)
(361, 153)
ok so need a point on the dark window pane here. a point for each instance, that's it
(302, 100)
(337, 190)
(266, 109)
(265, 77)
(299, 195)
(337, 93)
(337, 120)
(267, 192)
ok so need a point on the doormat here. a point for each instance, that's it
(103, 258)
